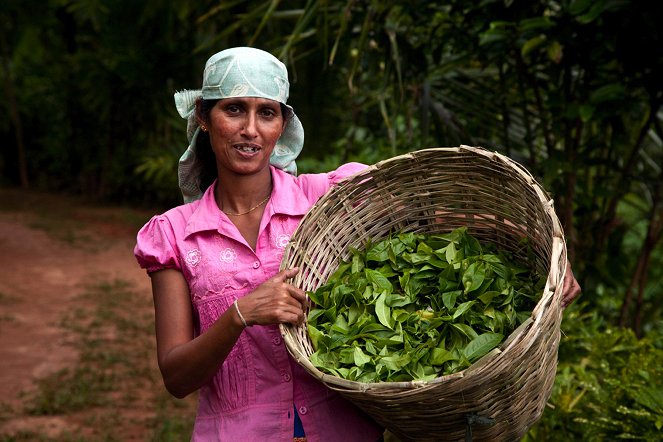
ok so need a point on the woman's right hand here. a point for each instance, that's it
(275, 301)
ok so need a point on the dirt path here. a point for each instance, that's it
(52, 250)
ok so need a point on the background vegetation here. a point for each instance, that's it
(571, 89)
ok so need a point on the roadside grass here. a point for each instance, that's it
(69, 219)
(114, 392)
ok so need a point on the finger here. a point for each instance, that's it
(297, 301)
(285, 274)
(290, 313)
(298, 294)
(297, 318)
(290, 273)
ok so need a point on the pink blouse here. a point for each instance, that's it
(251, 397)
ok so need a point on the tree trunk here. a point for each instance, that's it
(628, 295)
(623, 184)
(570, 191)
(654, 231)
(639, 279)
(13, 113)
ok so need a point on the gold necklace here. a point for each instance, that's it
(251, 209)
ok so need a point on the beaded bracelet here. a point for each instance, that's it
(241, 318)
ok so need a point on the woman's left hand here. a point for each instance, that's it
(570, 289)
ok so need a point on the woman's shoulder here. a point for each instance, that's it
(331, 177)
(346, 170)
(314, 185)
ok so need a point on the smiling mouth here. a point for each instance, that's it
(247, 148)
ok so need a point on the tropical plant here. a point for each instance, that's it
(609, 384)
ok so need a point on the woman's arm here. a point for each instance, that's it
(187, 363)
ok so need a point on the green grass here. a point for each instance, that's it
(70, 219)
(114, 376)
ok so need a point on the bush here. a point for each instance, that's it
(609, 384)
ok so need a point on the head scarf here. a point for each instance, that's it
(238, 72)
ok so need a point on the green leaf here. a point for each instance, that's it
(473, 277)
(594, 12)
(555, 51)
(440, 355)
(471, 245)
(315, 335)
(481, 345)
(397, 300)
(395, 362)
(357, 264)
(577, 7)
(360, 358)
(532, 44)
(340, 271)
(382, 310)
(434, 261)
(487, 296)
(354, 312)
(466, 330)
(314, 314)
(318, 297)
(424, 249)
(536, 23)
(609, 92)
(341, 325)
(492, 36)
(408, 240)
(379, 252)
(449, 298)
(650, 397)
(380, 283)
(451, 253)
(462, 308)
(417, 258)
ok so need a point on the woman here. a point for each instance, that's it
(214, 262)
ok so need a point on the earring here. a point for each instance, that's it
(204, 129)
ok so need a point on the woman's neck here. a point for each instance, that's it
(239, 194)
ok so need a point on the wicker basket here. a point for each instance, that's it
(436, 191)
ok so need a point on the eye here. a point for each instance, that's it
(268, 112)
(232, 108)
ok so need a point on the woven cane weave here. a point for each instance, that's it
(435, 191)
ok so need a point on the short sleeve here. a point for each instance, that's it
(343, 172)
(316, 185)
(155, 246)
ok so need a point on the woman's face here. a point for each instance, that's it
(243, 132)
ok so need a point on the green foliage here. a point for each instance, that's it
(96, 82)
(68, 391)
(157, 168)
(414, 307)
(609, 384)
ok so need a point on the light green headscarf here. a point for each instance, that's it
(238, 72)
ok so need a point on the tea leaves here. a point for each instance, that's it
(414, 307)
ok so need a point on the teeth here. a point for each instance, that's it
(247, 149)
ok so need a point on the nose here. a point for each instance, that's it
(250, 129)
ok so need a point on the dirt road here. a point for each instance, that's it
(52, 251)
